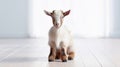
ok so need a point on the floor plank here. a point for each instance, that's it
(34, 52)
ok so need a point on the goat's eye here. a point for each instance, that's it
(51, 13)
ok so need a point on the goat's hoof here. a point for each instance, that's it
(70, 58)
(64, 60)
(50, 60)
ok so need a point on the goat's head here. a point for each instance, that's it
(57, 16)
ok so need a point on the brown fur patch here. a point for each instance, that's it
(71, 56)
(57, 54)
(64, 58)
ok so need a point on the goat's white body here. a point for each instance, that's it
(61, 37)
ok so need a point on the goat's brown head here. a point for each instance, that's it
(57, 16)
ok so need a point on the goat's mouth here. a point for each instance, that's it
(57, 26)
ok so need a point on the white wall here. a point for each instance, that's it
(115, 25)
(14, 18)
(88, 18)
(85, 20)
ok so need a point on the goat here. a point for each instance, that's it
(60, 39)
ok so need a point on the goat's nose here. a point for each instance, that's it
(57, 24)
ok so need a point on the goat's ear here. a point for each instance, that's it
(47, 13)
(66, 13)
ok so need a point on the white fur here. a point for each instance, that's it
(61, 34)
(57, 15)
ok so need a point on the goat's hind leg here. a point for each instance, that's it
(57, 54)
(70, 53)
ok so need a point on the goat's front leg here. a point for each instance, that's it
(63, 55)
(63, 52)
(52, 54)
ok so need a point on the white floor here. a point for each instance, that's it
(34, 52)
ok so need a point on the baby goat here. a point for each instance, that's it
(60, 39)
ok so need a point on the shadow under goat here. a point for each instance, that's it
(60, 38)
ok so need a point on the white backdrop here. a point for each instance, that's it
(88, 18)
